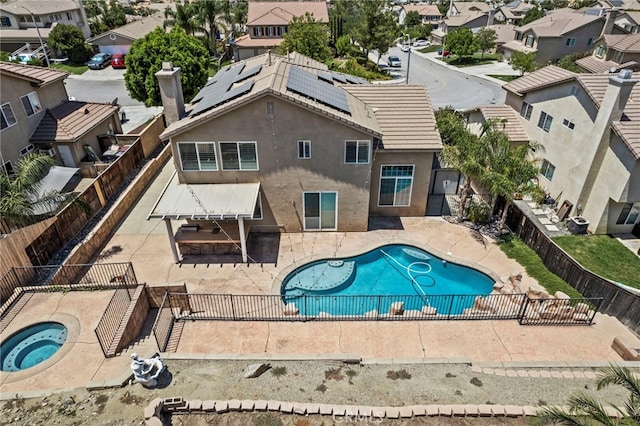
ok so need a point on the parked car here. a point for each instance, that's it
(405, 48)
(444, 53)
(394, 61)
(99, 61)
(118, 61)
(421, 43)
(23, 58)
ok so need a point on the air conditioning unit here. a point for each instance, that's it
(51, 152)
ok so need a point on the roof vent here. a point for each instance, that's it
(167, 66)
(86, 111)
(625, 74)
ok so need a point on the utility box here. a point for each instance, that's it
(577, 225)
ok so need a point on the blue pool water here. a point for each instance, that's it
(381, 277)
(31, 346)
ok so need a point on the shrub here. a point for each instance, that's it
(479, 212)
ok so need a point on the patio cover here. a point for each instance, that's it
(55, 180)
(206, 202)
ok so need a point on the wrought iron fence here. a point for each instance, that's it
(164, 323)
(86, 276)
(185, 306)
(112, 318)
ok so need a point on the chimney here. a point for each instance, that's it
(611, 108)
(171, 92)
(608, 23)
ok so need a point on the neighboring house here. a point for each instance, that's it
(629, 21)
(560, 33)
(613, 52)
(512, 13)
(323, 152)
(36, 115)
(618, 4)
(506, 120)
(505, 33)
(17, 26)
(429, 14)
(119, 40)
(589, 128)
(472, 14)
(268, 22)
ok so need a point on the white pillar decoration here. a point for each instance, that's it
(243, 243)
(172, 240)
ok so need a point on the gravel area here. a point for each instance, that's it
(318, 382)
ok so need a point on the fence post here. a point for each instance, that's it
(523, 309)
(378, 309)
(233, 308)
(450, 307)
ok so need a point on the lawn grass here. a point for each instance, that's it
(517, 250)
(71, 68)
(603, 255)
(430, 49)
(470, 61)
(504, 77)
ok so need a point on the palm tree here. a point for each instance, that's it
(212, 19)
(184, 17)
(585, 410)
(238, 16)
(21, 195)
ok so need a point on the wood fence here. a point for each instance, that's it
(617, 301)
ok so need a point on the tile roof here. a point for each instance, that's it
(560, 22)
(38, 7)
(634, 15)
(39, 76)
(423, 9)
(71, 120)
(404, 113)
(463, 18)
(463, 6)
(508, 121)
(505, 32)
(515, 10)
(247, 41)
(628, 43)
(281, 13)
(598, 66)
(518, 46)
(135, 29)
(547, 76)
(272, 80)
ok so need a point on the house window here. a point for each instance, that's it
(282, 30)
(590, 41)
(69, 16)
(239, 155)
(629, 214)
(5, 21)
(571, 41)
(271, 109)
(257, 31)
(356, 152)
(547, 170)
(526, 110)
(271, 31)
(569, 124)
(257, 212)
(600, 51)
(197, 156)
(304, 149)
(7, 118)
(544, 122)
(27, 149)
(320, 210)
(395, 185)
(617, 56)
(7, 168)
(574, 90)
(31, 104)
(529, 41)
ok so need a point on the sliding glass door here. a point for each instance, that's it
(320, 210)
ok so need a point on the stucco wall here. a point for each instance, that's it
(282, 175)
(550, 49)
(91, 138)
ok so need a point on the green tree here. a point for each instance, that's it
(485, 39)
(523, 62)
(376, 27)
(69, 40)
(412, 19)
(112, 14)
(212, 18)
(4, 56)
(184, 16)
(308, 37)
(342, 19)
(238, 16)
(461, 42)
(532, 14)
(344, 47)
(585, 409)
(21, 194)
(145, 58)
(568, 62)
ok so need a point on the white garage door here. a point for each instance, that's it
(124, 48)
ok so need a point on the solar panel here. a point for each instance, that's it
(616, 3)
(340, 77)
(238, 91)
(248, 73)
(307, 84)
(326, 76)
(215, 93)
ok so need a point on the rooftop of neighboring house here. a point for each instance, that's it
(471, 6)
(600, 66)
(634, 15)
(464, 18)
(627, 43)
(38, 7)
(515, 10)
(507, 121)
(505, 32)
(423, 9)
(281, 13)
(402, 116)
(70, 120)
(560, 22)
(135, 29)
(619, 4)
(37, 76)
(595, 85)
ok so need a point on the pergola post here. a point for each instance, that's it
(172, 240)
(243, 243)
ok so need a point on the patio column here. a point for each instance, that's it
(243, 243)
(172, 240)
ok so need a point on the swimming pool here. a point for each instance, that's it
(383, 276)
(32, 345)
